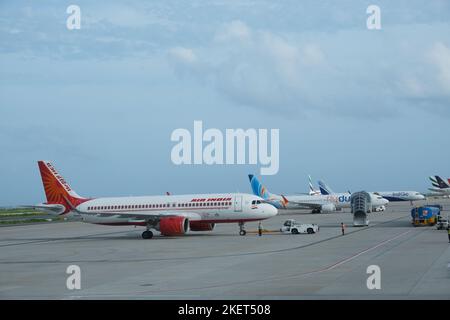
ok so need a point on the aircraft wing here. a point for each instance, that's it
(308, 205)
(315, 204)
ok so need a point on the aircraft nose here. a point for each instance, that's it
(271, 210)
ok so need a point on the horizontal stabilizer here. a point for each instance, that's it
(54, 209)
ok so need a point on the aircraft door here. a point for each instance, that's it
(238, 204)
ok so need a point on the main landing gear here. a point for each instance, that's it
(147, 234)
(242, 231)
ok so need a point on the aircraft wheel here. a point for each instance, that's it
(242, 232)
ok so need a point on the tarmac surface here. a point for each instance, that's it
(116, 263)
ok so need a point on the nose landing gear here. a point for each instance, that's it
(242, 231)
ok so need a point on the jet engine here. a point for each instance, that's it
(329, 207)
(201, 226)
(173, 226)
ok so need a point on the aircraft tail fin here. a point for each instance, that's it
(312, 191)
(57, 190)
(434, 181)
(441, 183)
(324, 188)
(258, 188)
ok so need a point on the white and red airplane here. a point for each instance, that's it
(170, 215)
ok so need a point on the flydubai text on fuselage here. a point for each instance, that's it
(170, 215)
(318, 203)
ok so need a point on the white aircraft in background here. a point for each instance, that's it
(170, 215)
(388, 195)
(312, 191)
(401, 195)
(318, 203)
(378, 202)
(440, 186)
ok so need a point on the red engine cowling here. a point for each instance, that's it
(173, 226)
(201, 226)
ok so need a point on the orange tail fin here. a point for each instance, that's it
(57, 190)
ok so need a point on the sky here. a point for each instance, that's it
(362, 109)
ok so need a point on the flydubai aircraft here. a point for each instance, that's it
(170, 215)
(388, 195)
(440, 186)
(318, 203)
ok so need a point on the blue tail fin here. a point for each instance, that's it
(257, 188)
(324, 189)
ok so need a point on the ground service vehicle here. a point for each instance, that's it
(442, 224)
(425, 216)
(291, 226)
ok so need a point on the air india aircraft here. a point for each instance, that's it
(171, 215)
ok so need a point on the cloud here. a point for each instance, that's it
(319, 63)
(439, 56)
(235, 30)
(186, 63)
(256, 68)
(183, 55)
(412, 86)
(313, 55)
(426, 84)
(126, 16)
(110, 30)
(353, 72)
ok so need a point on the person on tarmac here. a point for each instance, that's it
(448, 231)
(343, 228)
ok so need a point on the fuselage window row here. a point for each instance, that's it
(157, 206)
